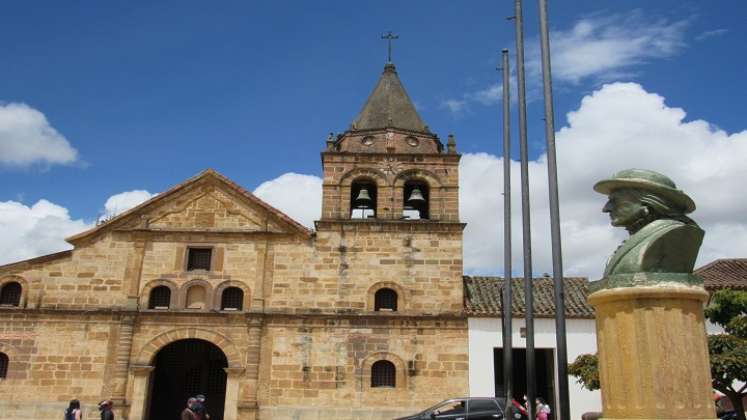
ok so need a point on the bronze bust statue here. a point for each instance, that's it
(663, 242)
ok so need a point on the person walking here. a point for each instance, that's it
(72, 412)
(106, 410)
(188, 413)
(542, 409)
(520, 408)
(199, 408)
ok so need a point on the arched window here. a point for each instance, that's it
(196, 297)
(415, 200)
(385, 300)
(232, 299)
(160, 298)
(363, 199)
(383, 374)
(3, 365)
(10, 295)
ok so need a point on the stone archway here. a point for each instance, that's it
(183, 369)
(143, 369)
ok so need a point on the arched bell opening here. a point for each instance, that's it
(363, 195)
(416, 200)
(184, 369)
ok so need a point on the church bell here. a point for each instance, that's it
(416, 197)
(363, 199)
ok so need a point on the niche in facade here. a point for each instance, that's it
(196, 297)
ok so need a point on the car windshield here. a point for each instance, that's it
(450, 407)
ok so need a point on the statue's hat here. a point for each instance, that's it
(647, 180)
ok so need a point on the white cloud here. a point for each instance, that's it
(42, 228)
(711, 34)
(490, 95)
(599, 48)
(36, 230)
(26, 138)
(602, 47)
(119, 203)
(299, 196)
(618, 126)
(487, 96)
(455, 106)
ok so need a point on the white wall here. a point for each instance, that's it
(485, 335)
(712, 328)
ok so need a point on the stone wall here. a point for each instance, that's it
(322, 366)
(54, 357)
(306, 336)
(349, 262)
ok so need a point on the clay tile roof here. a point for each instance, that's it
(389, 106)
(727, 273)
(483, 297)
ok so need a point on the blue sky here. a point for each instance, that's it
(149, 94)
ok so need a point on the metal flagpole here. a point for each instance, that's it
(557, 260)
(526, 228)
(507, 298)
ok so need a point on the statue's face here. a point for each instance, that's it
(624, 208)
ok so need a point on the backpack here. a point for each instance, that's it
(69, 414)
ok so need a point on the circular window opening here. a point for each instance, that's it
(367, 141)
(412, 141)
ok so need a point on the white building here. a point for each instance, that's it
(483, 304)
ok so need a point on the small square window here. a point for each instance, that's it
(199, 259)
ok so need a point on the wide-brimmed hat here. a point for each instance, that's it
(649, 181)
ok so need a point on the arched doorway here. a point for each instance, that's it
(184, 369)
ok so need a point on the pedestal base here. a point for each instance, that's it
(653, 352)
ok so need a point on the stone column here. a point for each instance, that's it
(139, 397)
(233, 377)
(653, 352)
(122, 361)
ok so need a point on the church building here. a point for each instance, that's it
(206, 289)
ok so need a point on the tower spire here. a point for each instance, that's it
(389, 106)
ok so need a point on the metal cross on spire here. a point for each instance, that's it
(389, 36)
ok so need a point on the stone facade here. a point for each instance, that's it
(304, 340)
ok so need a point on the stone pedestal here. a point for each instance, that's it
(653, 352)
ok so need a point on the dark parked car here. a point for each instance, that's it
(462, 409)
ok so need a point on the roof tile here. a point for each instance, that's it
(389, 106)
(483, 297)
(726, 273)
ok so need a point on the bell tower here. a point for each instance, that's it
(388, 167)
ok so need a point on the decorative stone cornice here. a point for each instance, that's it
(384, 225)
(253, 318)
